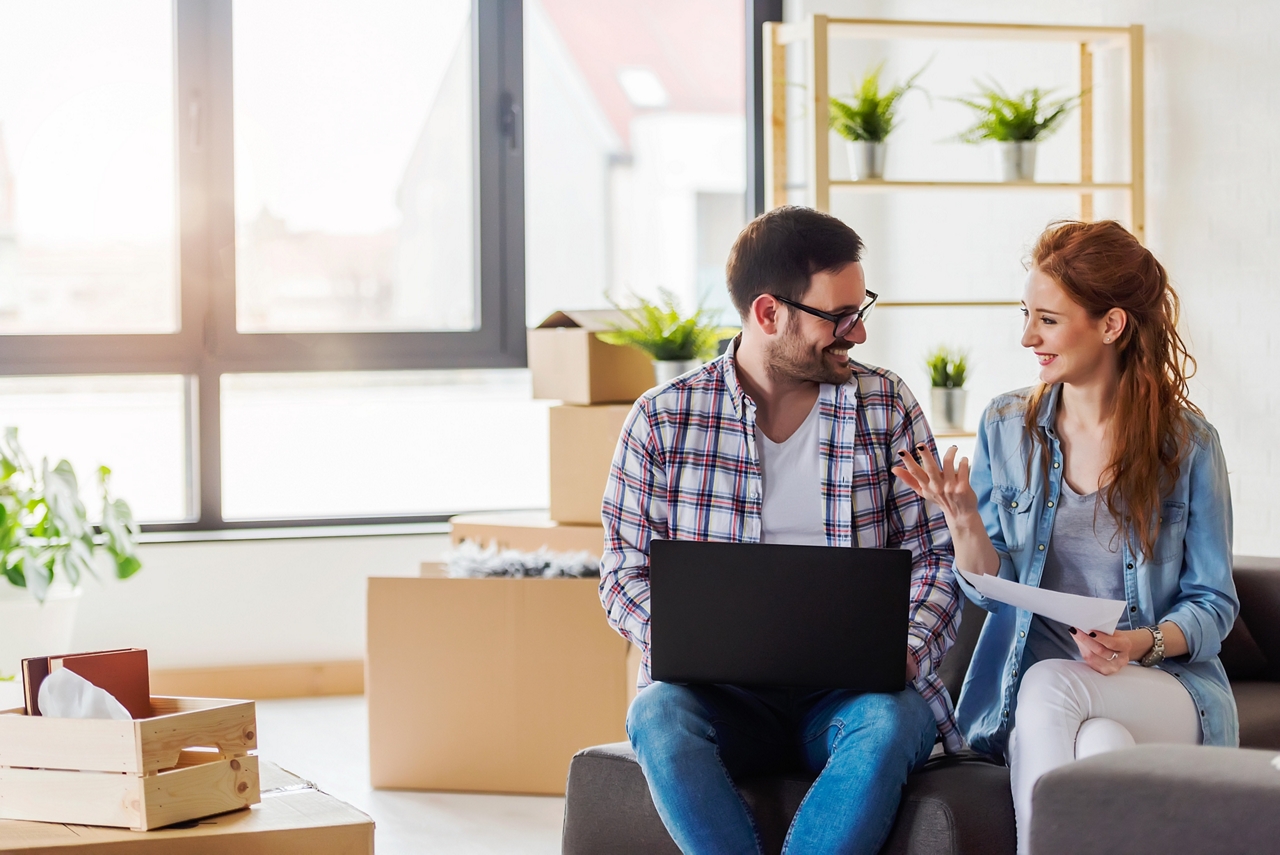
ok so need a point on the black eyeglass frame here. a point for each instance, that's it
(836, 320)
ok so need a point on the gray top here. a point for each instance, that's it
(1084, 557)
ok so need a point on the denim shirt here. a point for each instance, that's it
(1187, 581)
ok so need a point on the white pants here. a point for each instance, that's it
(1068, 711)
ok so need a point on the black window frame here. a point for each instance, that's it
(207, 343)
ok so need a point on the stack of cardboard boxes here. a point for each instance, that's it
(492, 685)
(596, 384)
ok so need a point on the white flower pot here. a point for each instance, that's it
(29, 628)
(666, 370)
(948, 408)
(866, 160)
(1017, 160)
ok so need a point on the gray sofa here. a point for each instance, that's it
(955, 804)
(1160, 799)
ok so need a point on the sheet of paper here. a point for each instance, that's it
(1087, 613)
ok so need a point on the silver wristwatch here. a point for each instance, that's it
(1156, 655)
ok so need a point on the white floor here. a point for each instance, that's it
(326, 741)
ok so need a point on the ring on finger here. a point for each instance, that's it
(1112, 657)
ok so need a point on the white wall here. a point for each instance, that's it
(1213, 178)
(248, 602)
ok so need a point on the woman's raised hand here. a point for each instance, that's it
(947, 486)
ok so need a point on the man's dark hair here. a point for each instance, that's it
(780, 250)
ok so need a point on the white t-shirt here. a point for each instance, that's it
(792, 475)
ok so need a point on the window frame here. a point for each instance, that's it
(207, 343)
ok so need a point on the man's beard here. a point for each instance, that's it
(791, 359)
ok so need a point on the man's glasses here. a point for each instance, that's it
(845, 323)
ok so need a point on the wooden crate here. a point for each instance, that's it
(189, 760)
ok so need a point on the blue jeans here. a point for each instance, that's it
(693, 741)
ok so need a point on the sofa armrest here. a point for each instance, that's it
(1160, 799)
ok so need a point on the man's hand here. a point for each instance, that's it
(912, 671)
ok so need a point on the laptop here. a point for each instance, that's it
(756, 614)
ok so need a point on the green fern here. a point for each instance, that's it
(1015, 118)
(869, 116)
(660, 331)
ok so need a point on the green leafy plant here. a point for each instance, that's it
(869, 116)
(662, 332)
(947, 368)
(44, 530)
(1028, 116)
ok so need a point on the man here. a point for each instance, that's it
(782, 440)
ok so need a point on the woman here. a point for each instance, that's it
(1103, 480)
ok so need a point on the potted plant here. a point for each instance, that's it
(865, 122)
(47, 547)
(948, 369)
(1016, 123)
(676, 343)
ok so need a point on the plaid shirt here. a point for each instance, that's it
(687, 468)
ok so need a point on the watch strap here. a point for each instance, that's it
(1156, 655)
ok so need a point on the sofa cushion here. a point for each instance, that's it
(1258, 585)
(607, 807)
(955, 805)
(1159, 799)
(1259, 706)
(1241, 656)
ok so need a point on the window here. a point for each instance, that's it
(636, 169)
(353, 154)
(88, 232)
(205, 205)
(270, 260)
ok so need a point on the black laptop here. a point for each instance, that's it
(755, 614)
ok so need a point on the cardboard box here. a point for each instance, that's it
(583, 440)
(294, 818)
(527, 531)
(571, 364)
(489, 685)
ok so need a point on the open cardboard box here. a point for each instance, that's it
(489, 685)
(570, 363)
(527, 531)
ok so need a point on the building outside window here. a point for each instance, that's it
(281, 235)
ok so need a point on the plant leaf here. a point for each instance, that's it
(39, 576)
(13, 572)
(44, 530)
(661, 331)
(127, 565)
(1021, 118)
(869, 116)
(948, 368)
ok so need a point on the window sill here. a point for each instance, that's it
(307, 532)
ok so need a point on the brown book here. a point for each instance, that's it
(123, 673)
(33, 673)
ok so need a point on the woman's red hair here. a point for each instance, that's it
(1102, 266)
